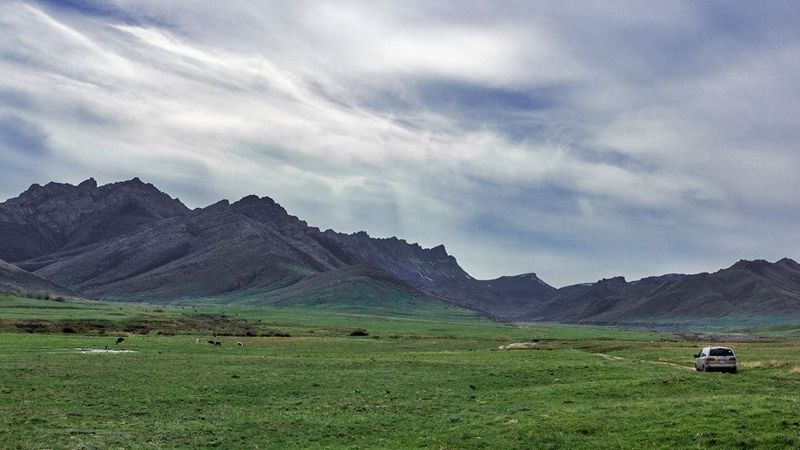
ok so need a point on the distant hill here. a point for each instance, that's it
(15, 280)
(130, 241)
(747, 290)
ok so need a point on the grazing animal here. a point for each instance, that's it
(217, 343)
(119, 340)
(211, 342)
(240, 344)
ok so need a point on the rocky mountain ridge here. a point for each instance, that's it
(128, 240)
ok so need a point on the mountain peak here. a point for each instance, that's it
(248, 199)
(256, 200)
(135, 183)
(744, 264)
(439, 251)
(612, 281)
(89, 183)
(261, 208)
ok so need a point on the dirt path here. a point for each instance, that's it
(663, 363)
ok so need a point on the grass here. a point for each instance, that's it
(413, 383)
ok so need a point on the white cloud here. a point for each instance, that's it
(222, 100)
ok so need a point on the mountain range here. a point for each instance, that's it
(130, 241)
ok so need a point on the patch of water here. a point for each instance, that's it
(101, 350)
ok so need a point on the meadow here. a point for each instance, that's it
(301, 380)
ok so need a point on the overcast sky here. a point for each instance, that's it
(577, 140)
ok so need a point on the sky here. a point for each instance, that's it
(575, 139)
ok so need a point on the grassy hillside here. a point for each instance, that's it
(412, 383)
(355, 289)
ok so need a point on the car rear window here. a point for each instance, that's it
(720, 352)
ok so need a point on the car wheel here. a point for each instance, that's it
(704, 368)
(733, 370)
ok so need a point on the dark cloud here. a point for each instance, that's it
(102, 9)
(22, 138)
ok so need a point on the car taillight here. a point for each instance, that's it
(711, 359)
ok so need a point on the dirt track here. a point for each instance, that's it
(663, 363)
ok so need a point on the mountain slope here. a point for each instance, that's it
(251, 244)
(58, 217)
(438, 274)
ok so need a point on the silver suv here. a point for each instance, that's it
(715, 358)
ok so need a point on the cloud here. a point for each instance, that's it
(574, 140)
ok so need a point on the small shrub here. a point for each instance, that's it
(69, 330)
(137, 329)
(33, 327)
(60, 299)
(359, 332)
(275, 334)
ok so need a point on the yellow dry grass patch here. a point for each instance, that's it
(771, 364)
(795, 369)
(751, 365)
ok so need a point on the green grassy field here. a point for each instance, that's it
(414, 382)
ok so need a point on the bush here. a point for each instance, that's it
(68, 330)
(359, 332)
